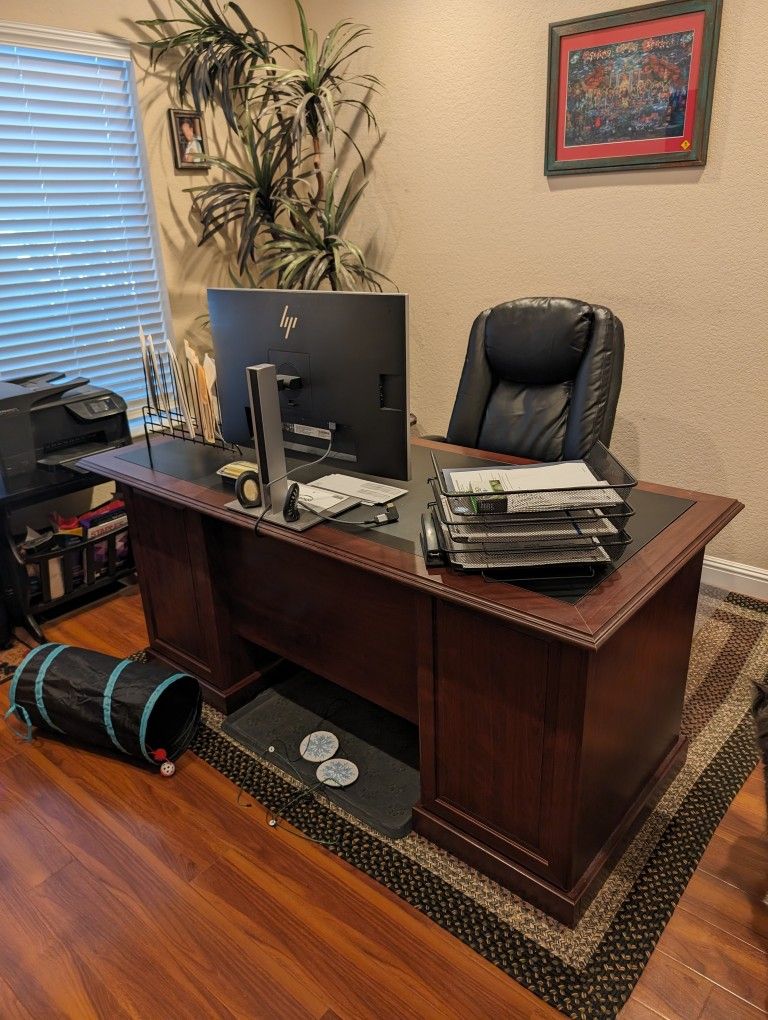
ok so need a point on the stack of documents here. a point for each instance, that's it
(361, 489)
(181, 390)
(509, 516)
(532, 487)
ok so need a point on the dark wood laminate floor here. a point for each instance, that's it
(125, 895)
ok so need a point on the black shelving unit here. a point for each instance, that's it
(82, 577)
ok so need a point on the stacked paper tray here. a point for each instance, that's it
(501, 516)
(459, 514)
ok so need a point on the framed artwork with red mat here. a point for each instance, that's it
(632, 89)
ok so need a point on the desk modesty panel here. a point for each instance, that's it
(547, 724)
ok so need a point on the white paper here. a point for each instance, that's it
(320, 499)
(538, 487)
(209, 367)
(533, 478)
(151, 393)
(189, 354)
(33, 539)
(163, 400)
(56, 576)
(360, 488)
(209, 370)
(541, 529)
(182, 404)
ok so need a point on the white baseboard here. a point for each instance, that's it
(738, 577)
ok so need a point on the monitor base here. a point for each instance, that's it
(305, 522)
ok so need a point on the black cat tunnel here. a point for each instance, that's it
(141, 709)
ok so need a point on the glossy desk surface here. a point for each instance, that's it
(667, 534)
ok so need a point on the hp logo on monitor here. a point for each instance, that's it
(288, 321)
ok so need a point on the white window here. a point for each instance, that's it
(79, 260)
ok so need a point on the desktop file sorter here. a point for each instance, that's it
(570, 514)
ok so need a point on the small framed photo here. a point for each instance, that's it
(190, 147)
(632, 89)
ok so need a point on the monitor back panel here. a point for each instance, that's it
(350, 351)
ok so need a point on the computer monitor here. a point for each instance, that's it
(342, 362)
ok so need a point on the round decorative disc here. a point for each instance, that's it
(337, 772)
(319, 746)
(251, 489)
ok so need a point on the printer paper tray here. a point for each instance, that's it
(67, 457)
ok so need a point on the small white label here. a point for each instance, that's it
(307, 430)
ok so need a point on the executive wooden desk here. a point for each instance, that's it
(546, 726)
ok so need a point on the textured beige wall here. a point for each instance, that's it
(463, 217)
(460, 215)
(189, 270)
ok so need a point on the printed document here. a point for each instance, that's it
(360, 488)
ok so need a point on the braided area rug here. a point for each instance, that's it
(587, 972)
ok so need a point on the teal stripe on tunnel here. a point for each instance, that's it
(20, 669)
(39, 684)
(114, 676)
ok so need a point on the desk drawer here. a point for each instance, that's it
(350, 626)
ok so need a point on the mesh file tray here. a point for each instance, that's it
(531, 516)
(463, 521)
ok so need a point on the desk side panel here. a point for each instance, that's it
(165, 568)
(492, 686)
(635, 692)
(500, 736)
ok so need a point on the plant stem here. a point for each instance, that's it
(318, 172)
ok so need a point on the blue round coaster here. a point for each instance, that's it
(337, 772)
(319, 745)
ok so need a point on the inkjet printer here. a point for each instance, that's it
(49, 421)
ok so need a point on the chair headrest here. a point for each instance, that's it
(538, 340)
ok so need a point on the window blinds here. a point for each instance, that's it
(78, 262)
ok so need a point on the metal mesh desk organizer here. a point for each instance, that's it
(529, 518)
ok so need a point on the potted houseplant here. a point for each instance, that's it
(287, 201)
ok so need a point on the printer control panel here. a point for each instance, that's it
(98, 407)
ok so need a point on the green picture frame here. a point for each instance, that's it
(590, 128)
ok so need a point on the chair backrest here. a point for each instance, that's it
(541, 379)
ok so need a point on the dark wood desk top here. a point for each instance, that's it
(587, 624)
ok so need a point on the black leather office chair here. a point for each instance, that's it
(541, 379)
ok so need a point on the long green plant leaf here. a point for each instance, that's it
(283, 103)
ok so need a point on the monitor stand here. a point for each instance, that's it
(270, 452)
(306, 520)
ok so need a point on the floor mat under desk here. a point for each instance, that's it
(384, 747)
